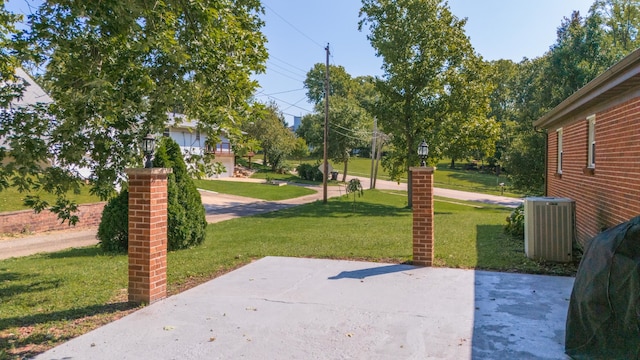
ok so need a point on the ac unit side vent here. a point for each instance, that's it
(549, 229)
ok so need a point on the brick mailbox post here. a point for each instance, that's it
(147, 234)
(422, 199)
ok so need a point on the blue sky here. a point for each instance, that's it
(299, 30)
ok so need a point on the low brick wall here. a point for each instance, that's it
(29, 221)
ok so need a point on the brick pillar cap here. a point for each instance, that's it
(146, 171)
(427, 169)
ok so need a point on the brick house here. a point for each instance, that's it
(593, 149)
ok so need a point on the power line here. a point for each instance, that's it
(345, 135)
(285, 75)
(285, 69)
(288, 103)
(294, 104)
(284, 62)
(261, 93)
(295, 28)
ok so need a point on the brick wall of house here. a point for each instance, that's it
(610, 194)
(28, 221)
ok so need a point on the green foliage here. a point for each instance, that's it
(115, 70)
(185, 214)
(270, 129)
(432, 80)
(340, 83)
(350, 122)
(309, 172)
(620, 20)
(113, 231)
(515, 223)
(186, 217)
(354, 187)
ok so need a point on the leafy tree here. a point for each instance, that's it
(464, 123)
(270, 130)
(300, 149)
(349, 121)
(577, 57)
(340, 82)
(116, 68)
(349, 128)
(620, 20)
(354, 187)
(424, 50)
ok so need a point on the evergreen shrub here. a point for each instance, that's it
(185, 214)
(113, 231)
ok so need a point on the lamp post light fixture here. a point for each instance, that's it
(423, 151)
(148, 147)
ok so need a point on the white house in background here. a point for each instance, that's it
(191, 141)
(32, 95)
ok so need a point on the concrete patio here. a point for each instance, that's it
(291, 308)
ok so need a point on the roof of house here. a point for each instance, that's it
(618, 79)
(32, 94)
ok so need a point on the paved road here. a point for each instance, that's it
(220, 207)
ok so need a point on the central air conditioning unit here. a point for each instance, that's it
(549, 228)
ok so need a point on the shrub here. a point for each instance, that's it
(309, 172)
(185, 214)
(515, 223)
(113, 231)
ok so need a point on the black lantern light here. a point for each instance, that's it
(148, 147)
(423, 151)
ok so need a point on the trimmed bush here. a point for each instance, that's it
(309, 172)
(113, 231)
(185, 214)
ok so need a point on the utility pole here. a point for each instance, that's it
(325, 174)
(372, 184)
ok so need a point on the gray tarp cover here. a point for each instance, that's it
(604, 313)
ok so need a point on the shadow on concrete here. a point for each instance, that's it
(375, 271)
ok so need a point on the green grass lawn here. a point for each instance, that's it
(444, 177)
(12, 200)
(47, 299)
(254, 190)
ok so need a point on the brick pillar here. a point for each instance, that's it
(147, 234)
(422, 198)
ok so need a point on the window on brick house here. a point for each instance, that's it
(559, 138)
(591, 143)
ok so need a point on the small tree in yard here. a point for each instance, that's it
(354, 187)
(185, 214)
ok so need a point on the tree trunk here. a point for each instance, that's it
(344, 171)
(453, 164)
